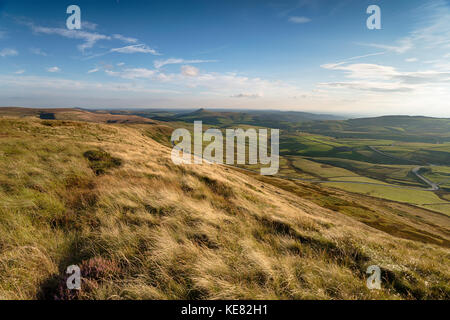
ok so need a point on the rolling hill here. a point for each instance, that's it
(107, 197)
(403, 128)
(72, 114)
(271, 119)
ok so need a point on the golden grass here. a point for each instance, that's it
(181, 232)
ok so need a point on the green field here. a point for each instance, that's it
(318, 169)
(440, 175)
(376, 156)
(416, 197)
(316, 157)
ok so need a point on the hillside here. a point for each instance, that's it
(271, 119)
(71, 114)
(404, 128)
(108, 197)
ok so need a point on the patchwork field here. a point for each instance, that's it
(107, 197)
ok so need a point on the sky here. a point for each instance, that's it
(305, 55)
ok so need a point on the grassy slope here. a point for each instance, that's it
(156, 230)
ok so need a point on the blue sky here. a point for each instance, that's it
(305, 55)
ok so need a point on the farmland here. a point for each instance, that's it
(375, 157)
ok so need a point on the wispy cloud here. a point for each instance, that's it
(8, 52)
(190, 71)
(75, 88)
(125, 39)
(133, 73)
(161, 63)
(215, 84)
(138, 48)
(89, 38)
(53, 69)
(368, 86)
(88, 25)
(299, 20)
(402, 46)
(93, 70)
(411, 60)
(22, 71)
(287, 8)
(247, 95)
(379, 78)
(38, 52)
(333, 65)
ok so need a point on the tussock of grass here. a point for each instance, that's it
(101, 161)
(147, 229)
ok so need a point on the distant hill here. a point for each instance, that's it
(401, 128)
(271, 119)
(404, 128)
(72, 114)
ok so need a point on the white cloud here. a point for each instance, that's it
(90, 38)
(53, 69)
(379, 78)
(93, 70)
(125, 39)
(20, 71)
(364, 70)
(215, 90)
(368, 86)
(133, 73)
(333, 65)
(402, 46)
(88, 25)
(8, 52)
(161, 63)
(213, 84)
(73, 88)
(190, 71)
(138, 48)
(411, 60)
(247, 95)
(120, 64)
(295, 19)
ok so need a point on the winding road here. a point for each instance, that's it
(433, 186)
(415, 171)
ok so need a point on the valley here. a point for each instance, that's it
(82, 189)
(395, 168)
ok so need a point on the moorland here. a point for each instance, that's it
(98, 189)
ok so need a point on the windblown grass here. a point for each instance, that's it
(149, 229)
